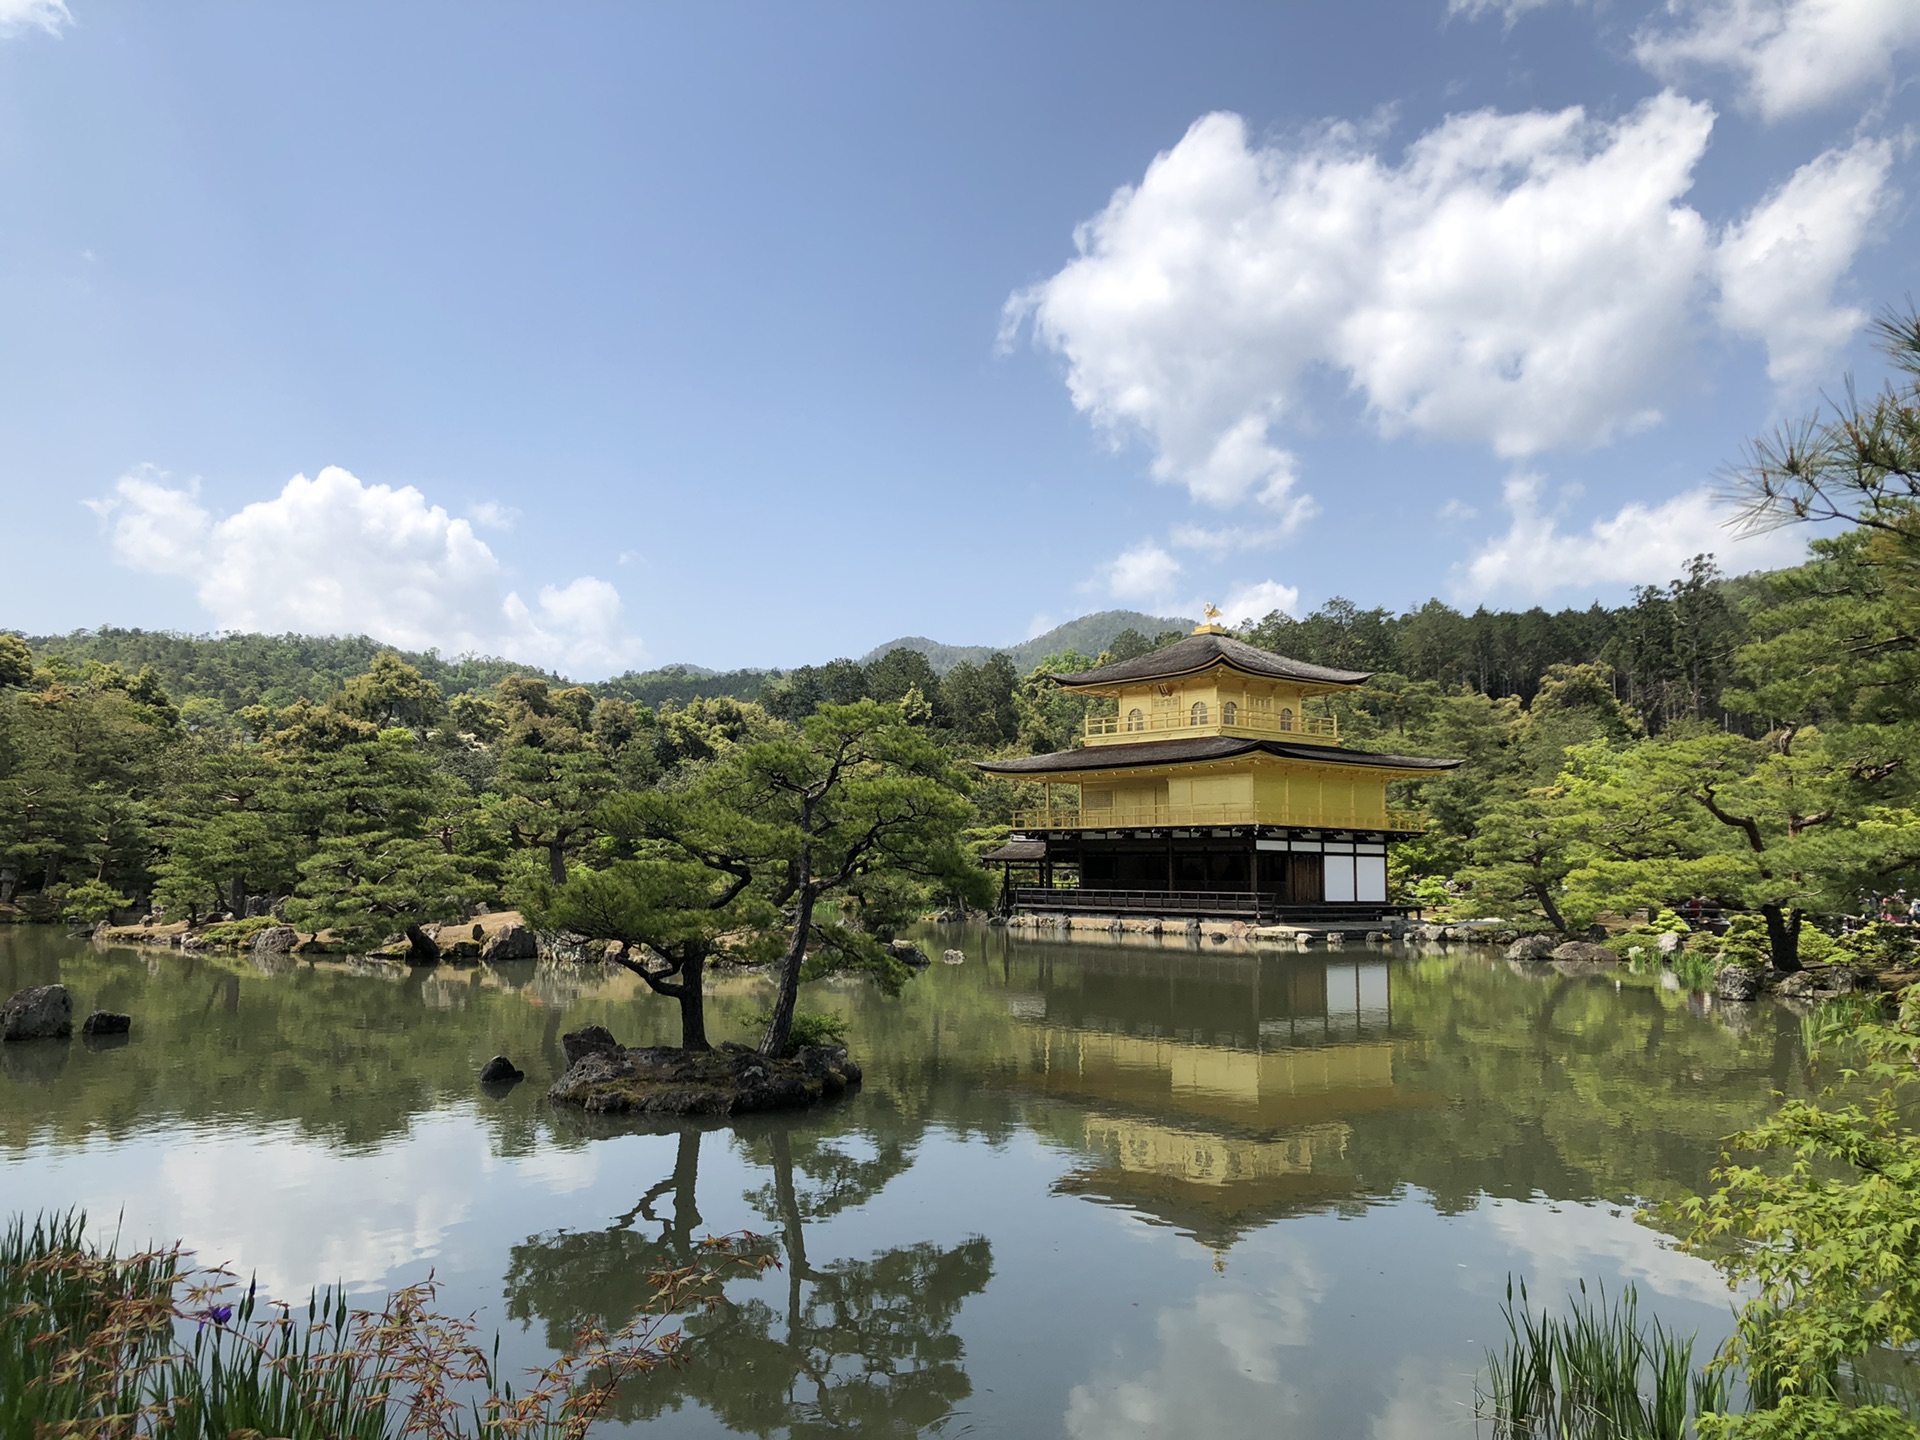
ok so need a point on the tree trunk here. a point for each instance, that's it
(787, 1201)
(1544, 894)
(1783, 937)
(557, 863)
(686, 1184)
(780, 1027)
(693, 1005)
(423, 944)
(237, 897)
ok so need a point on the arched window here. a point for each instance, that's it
(1230, 714)
(1136, 720)
(1198, 715)
(1286, 719)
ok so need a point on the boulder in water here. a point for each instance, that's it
(40, 1012)
(1822, 983)
(509, 942)
(500, 1071)
(1585, 951)
(275, 939)
(591, 1040)
(1533, 947)
(908, 953)
(106, 1022)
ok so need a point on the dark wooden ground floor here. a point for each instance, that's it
(1227, 872)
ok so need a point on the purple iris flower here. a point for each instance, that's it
(220, 1314)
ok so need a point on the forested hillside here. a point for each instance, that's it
(238, 670)
(1088, 635)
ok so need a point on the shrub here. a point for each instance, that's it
(810, 1027)
(1819, 1231)
(92, 901)
(236, 933)
(1746, 943)
(1875, 945)
(1816, 946)
(1809, 1417)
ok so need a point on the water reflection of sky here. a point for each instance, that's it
(1207, 1213)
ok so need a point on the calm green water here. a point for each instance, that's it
(1093, 1191)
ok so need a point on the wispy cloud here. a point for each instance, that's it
(491, 515)
(47, 16)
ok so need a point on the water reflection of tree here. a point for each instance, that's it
(852, 1347)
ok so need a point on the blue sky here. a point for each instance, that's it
(610, 335)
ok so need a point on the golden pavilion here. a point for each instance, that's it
(1213, 790)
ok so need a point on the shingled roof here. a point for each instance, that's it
(1198, 651)
(1017, 852)
(1201, 747)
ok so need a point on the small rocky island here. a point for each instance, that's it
(605, 1077)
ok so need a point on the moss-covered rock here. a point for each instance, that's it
(731, 1080)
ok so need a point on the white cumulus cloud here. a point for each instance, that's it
(1779, 265)
(1792, 56)
(47, 15)
(1255, 602)
(1640, 544)
(1525, 281)
(334, 555)
(1148, 576)
(1143, 575)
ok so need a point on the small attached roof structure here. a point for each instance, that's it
(1205, 648)
(1018, 851)
(1202, 747)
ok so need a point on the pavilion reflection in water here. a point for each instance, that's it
(1211, 1093)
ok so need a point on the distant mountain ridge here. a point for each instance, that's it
(1089, 635)
(247, 669)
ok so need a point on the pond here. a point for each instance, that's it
(1087, 1190)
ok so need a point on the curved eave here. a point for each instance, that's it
(1094, 759)
(1202, 651)
(1308, 683)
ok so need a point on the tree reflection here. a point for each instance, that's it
(853, 1347)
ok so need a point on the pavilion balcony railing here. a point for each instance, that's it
(1398, 822)
(1312, 729)
(1203, 904)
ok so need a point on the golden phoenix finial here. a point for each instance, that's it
(1213, 614)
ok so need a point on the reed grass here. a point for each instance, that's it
(1598, 1373)
(1693, 969)
(97, 1344)
(1827, 1031)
